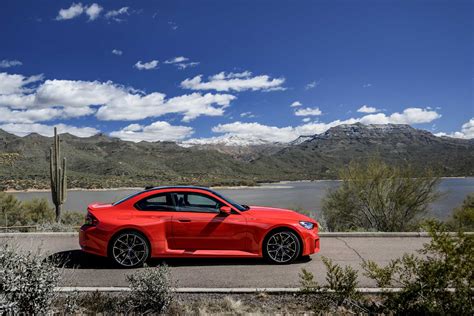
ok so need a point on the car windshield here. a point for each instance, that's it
(238, 206)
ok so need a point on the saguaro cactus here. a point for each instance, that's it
(58, 176)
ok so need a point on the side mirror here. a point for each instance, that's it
(225, 209)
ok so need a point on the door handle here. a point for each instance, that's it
(184, 220)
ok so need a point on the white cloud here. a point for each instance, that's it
(9, 63)
(181, 62)
(408, 116)
(295, 104)
(176, 60)
(312, 85)
(47, 130)
(467, 131)
(117, 14)
(117, 52)
(366, 85)
(93, 11)
(308, 112)
(13, 83)
(234, 81)
(73, 11)
(306, 119)
(76, 9)
(146, 66)
(69, 98)
(367, 109)
(157, 131)
(247, 114)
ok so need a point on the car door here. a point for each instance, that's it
(199, 225)
(155, 212)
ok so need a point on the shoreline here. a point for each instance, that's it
(284, 184)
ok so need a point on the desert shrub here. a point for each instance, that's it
(150, 290)
(463, 216)
(27, 281)
(339, 291)
(376, 196)
(446, 262)
(36, 211)
(10, 207)
(71, 218)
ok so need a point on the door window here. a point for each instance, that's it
(157, 202)
(196, 202)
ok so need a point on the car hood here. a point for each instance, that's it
(272, 212)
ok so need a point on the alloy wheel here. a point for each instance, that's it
(130, 250)
(283, 247)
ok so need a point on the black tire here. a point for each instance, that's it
(281, 247)
(129, 249)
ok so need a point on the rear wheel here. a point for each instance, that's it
(129, 249)
(282, 247)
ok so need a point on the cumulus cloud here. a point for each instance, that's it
(467, 131)
(256, 132)
(157, 131)
(146, 66)
(117, 52)
(234, 81)
(116, 15)
(176, 60)
(13, 83)
(308, 112)
(5, 63)
(75, 10)
(93, 11)
(47, 130)
(367, 109)
(366, 85)
(74, 98)
(295, 104)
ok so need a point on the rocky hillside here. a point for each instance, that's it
(102, 161)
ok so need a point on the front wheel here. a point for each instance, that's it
(281, 247)
(129, 250)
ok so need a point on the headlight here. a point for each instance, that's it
(307, 225)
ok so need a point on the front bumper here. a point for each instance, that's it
(311, 242)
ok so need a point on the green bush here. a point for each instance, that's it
(463, 216)
(27, 282)
(447, 262)
(377, 197)
(150, 290)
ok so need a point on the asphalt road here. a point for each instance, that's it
(87, 270)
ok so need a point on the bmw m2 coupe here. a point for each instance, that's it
(187, 221)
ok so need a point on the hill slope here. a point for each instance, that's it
(102, 161)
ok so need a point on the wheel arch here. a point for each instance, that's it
(129, 229)
(282, 228)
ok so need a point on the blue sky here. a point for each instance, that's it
(117, 67)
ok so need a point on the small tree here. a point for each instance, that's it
(463, 216)
(376, 196)
(58, 176)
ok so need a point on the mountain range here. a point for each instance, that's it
(101, 161)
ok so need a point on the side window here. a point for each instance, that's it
(196, 202)
(158, 202)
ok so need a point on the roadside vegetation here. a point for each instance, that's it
(440, 280)
(375, 196)
(35, 214)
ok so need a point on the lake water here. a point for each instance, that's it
(303, 195)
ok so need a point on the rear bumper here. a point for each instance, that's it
(93, 241)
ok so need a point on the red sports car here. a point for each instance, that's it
(187, 221)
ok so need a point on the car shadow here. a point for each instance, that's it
(77, 259)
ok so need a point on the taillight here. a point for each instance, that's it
(91, 220)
